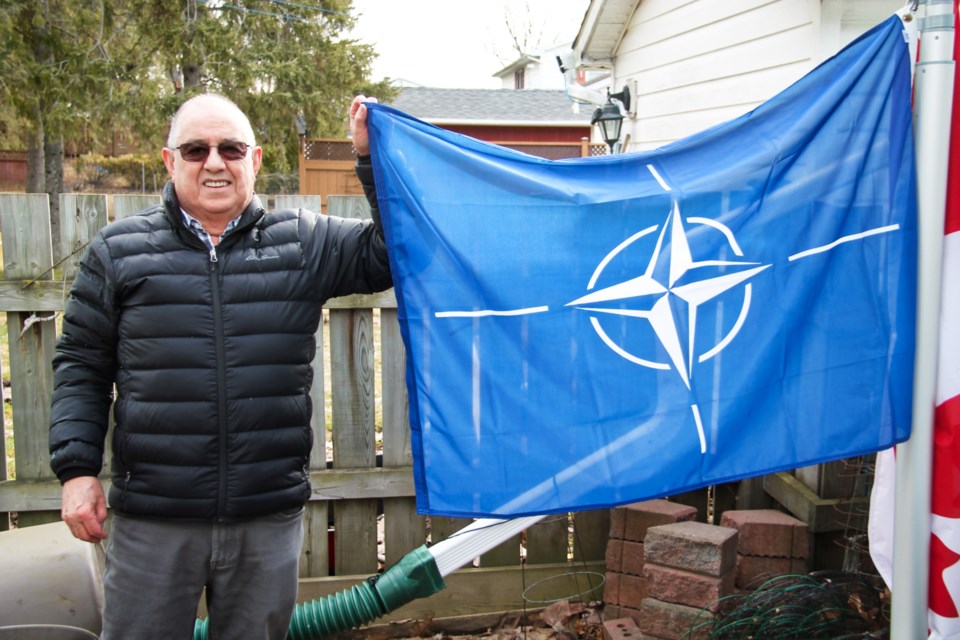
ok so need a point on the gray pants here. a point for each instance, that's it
(156, 571)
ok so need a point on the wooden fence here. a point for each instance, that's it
(358, 494)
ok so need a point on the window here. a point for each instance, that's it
(518, 78)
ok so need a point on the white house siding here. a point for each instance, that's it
(696, 63)
(543, 74)
(844, 20)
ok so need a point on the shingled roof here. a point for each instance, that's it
(491, 106)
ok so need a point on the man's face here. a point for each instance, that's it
(213, 188)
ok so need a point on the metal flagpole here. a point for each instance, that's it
(933, 96)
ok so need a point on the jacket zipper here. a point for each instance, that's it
(221, 388)
(126, 485)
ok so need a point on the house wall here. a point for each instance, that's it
(694, 64)
(545, 74)
(506, 133)
(13, 170)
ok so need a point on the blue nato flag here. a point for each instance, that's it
(591, 332)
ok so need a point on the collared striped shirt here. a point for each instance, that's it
(194, 225)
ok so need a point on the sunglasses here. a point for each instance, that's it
(198, 151)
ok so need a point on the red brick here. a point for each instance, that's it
(610, 612)
(618, 518)
(768, 532)
(614, 555)
(640, 516)
(672, 621)
(628, 612)
(621, 629)
(633, 589)
(632, 558)
(753, 571)
(611, 588)
(685, 587)
(693, 546)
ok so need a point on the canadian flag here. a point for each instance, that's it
(944, 590)
(944, 595)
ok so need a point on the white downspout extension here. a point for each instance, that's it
(474, 540)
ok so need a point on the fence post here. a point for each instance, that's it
(28, 255)
(4, 516)
(354, 417)
(404, 530)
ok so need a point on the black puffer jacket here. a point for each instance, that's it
(211, 358)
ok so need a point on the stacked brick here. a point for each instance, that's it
(667, 573)
(624, 589)
(772, 544)
(689, 568)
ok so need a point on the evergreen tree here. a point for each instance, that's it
(80, 70)
(275, 58)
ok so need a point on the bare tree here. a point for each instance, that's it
(524, 36)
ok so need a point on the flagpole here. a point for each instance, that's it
(933, 96)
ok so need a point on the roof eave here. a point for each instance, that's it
(601, 31)
(516, 64)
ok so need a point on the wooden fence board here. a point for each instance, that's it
(442, 527)
(505, 554)
(41, 296)
(591, 531)
(294, 201)
(24, 217)
(548, 540)
(351, 366)
(404, 530)
(349, 207)
(472, 591)
(82, 215)
(4, 513)
(28, 255)
(315, 552)
(125, 204)
(354, 419)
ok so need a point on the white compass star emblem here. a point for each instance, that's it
(711, 279)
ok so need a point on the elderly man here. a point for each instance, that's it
(201, 312)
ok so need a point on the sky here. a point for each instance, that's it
(455, 43)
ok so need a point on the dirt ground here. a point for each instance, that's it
(562, 620)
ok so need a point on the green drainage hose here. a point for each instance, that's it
(415, 576)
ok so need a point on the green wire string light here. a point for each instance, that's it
(820, 605)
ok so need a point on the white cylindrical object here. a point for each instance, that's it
(475, 539)
(933, 97)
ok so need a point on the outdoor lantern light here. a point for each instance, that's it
(609, 117)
